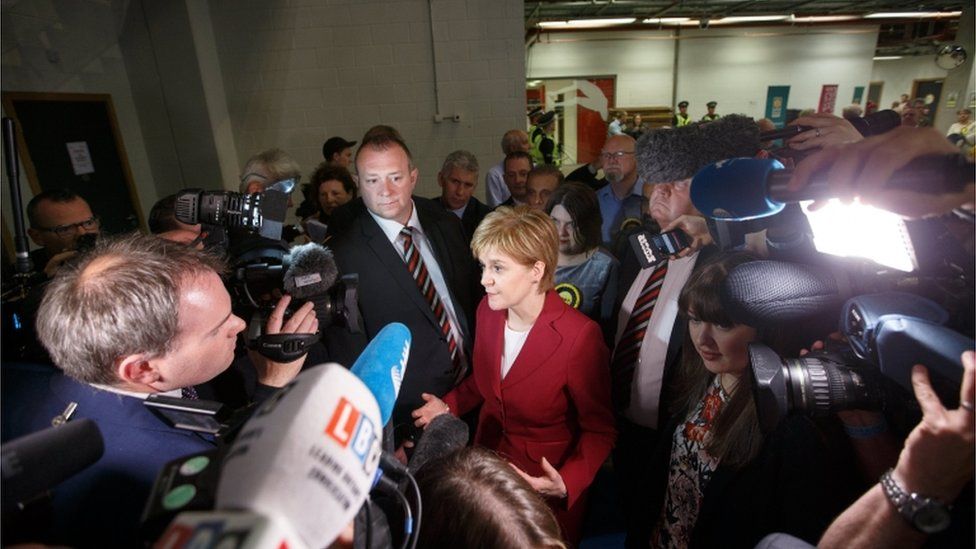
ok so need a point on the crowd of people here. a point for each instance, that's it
(533, 318)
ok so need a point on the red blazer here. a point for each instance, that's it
(555, 400)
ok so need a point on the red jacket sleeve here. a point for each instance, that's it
(588, 380)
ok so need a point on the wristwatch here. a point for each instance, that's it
(928, 515)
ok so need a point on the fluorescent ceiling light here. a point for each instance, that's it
(912, 14)
(887, 57)
(586, 23)
(667, 20)
(749, 19)
(823, 18)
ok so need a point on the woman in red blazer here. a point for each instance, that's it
(540, 371)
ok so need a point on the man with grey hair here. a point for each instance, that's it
(267, 167)
(135, 316)
(458, 180)
(495, 187)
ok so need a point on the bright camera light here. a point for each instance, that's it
(858, 230)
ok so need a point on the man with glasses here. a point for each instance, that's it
(57, 217)
(620, 198)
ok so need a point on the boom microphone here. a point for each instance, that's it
(872, 124)
(382, 364)
(444, 434)
(750, 188)
(35, 463)
(311, 271)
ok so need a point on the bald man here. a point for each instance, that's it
(495, 187)
(620, 198)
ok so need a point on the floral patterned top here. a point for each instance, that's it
(691, 468)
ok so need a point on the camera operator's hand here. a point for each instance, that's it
(56, 261)
(696, 228)
(937, 460)
(278, 374)
(432, 408)
(828, 130)
(862, 169)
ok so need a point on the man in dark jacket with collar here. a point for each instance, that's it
(414, 267)
(458, 180)
(135, 316)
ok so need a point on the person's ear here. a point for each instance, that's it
(538, 271)
(35, 236)
(136, 369)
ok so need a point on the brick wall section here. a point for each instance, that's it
(299, 71)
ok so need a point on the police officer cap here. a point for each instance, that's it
(711, 104)
(682, 105)
(547, 118)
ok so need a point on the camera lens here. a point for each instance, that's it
(816, 385)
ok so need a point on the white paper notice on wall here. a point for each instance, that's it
(81, 161)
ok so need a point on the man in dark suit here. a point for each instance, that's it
(414, 267)
(458, 180)
(135, 316)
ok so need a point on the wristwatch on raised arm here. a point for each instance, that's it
(927, 515)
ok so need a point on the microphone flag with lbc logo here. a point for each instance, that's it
(308, 455)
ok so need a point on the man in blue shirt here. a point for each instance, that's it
(620, 198)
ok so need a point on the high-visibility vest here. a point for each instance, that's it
(536, 139)
(681, 120)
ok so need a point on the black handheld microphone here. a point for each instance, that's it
(443, 435)
(873, 124)
(40, 461)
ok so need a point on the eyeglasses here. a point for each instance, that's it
(62, 231)
(615, 155)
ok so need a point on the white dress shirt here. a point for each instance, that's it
(645, 390)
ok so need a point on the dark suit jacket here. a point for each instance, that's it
(473, 214)
(555, 400)
(629, 269)
(388, 293)
(101, 505)
(802, 478)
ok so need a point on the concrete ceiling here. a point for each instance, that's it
(898, 36)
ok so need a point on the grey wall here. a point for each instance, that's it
(297, 73)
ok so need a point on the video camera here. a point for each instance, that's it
(887, 334)
(263, 266)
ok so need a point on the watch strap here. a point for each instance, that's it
(913, 506)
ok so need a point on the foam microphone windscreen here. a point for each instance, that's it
(443, 435)
(768, 293)
(307, 456)
(382, 364)
(312, 270)
(673, 154)
(35, 463)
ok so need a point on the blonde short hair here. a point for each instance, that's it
(525, 234)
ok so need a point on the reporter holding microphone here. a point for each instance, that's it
(540, 371)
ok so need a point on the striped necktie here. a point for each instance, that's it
(417, 268)
(627, 352)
